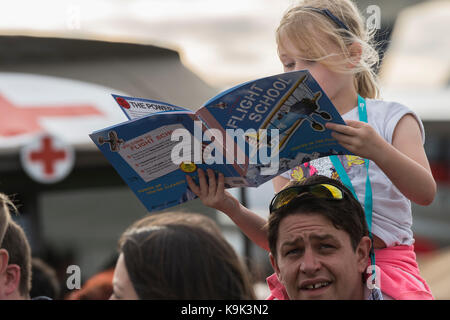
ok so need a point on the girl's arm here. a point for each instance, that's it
(215, 196)
(404, 162)
(279, 183)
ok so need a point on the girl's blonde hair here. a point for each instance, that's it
(311, 32)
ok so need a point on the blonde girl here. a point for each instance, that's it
(329, 39)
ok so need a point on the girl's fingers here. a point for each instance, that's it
(343, 138)
(221, 184)
(212, 183)
(205, 189)
(202, 182)
(347, 130)
(333, 126)
(354, 123)
(350, 128)
(195, 189)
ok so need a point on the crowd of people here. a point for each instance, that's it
(341, 230)
(319, 247)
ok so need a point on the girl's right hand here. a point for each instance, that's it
(213, 195)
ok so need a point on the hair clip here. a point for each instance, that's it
(328, 13)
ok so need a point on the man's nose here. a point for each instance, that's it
(310, 264)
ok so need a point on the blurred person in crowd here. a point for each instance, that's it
(44, 281)
(15, 278)
(4, 215)
(5, 204)
(98, 287)
(177, 258)
(179, 217)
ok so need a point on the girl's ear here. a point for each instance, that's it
(355, 51)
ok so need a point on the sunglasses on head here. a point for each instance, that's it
(321, 190)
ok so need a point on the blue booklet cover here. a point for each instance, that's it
(250, 133)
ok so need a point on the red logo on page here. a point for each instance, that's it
(123, 103)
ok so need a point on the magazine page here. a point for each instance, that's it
(276, 122)
(154, 164)
(134, 107)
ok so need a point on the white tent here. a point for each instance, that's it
(69, 109)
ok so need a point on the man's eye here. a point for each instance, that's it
(327, 246)
(292, 251)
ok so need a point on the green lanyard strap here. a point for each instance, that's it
(368, 205)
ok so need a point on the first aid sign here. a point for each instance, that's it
(47, 159)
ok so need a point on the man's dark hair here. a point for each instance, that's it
(182, 261)
(346, 214)
(16, 243)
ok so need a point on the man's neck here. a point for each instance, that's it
(360, 292)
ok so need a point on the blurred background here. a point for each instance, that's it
(61, 60)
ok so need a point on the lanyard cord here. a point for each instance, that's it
(362, 111)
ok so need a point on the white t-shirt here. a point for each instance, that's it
(391, 216)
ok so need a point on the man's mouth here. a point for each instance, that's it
(315, 285)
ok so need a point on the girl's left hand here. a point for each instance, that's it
(358, 137)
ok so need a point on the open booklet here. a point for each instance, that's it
(250, 133)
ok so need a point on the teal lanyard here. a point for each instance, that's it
(346, 180)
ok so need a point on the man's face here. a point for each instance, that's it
(314, 260)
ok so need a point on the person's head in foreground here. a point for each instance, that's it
(44, 282)
(318, 240)
(15, 276)
(178, 261)
(5, 205)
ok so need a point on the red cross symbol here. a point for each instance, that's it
(47, 155)
(47, 159)
(17, 120)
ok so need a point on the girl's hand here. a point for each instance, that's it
(214, 194)
(404, 162)
(358, 137)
